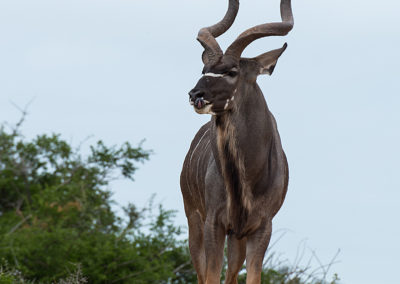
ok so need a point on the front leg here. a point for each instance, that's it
(196, 245)
(236, 254)
(214, 241)
(215, 224)
(257, 244)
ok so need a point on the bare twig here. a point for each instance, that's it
(176, 270)
(19, 224)
(298, 269)
(24, 113)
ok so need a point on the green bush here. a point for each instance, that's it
(57, 224)
(55, 215)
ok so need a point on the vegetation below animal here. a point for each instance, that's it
(57, 224)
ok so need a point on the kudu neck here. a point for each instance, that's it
(249, 112)
(242, 139)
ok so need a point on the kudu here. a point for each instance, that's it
(235, 175)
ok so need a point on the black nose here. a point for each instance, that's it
(194, 94)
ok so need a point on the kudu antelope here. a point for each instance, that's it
(235, 175)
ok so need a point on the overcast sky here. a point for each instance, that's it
(120, 70)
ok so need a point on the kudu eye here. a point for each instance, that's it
(232, 73)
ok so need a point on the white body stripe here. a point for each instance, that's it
(194, 150)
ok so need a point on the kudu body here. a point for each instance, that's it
(235, 175)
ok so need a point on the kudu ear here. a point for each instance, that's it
(267, 61)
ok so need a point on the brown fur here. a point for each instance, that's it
(235, 175)
(233, 171)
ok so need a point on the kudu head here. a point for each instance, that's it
(215, 91)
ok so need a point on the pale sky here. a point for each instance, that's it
(120, 70)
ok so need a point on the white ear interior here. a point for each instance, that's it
(267, 69)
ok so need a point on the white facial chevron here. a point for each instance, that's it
(214, 75)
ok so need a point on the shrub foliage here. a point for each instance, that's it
(56, 216)
(57, 224)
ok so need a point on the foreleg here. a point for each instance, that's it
(236, 253)
(257, 244)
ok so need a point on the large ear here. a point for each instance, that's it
(267, 61)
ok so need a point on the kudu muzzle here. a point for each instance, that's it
(196, 98)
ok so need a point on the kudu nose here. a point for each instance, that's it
(194, 94)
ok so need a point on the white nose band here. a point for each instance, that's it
(214, 75)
